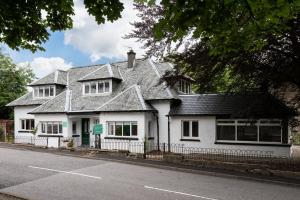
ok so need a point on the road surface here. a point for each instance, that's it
(43, 176)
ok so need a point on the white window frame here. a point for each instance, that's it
(190, 129)
(36, 95)
(114, 128)
(45, 124)
(183, 85)
(258, 124)
(25, 119)
(97, 89)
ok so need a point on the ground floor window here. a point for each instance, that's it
(27, 124)
(249, 130)
(190, 129)
(122, 128)
(74, 127)
(51, 127)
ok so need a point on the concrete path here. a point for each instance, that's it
(36, 175)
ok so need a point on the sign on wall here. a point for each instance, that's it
(98, 129)
(65, 124)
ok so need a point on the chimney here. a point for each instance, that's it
(131, 58)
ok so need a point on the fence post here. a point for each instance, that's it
(47, 142)
(164, 147)
(145, 148)
(58, 142)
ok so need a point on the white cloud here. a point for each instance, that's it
(102, 40)
(43, 66)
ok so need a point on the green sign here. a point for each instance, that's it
(65, 124)
(98, 129)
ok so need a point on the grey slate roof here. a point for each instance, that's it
(27, 100)
(103, 72)
(232, 105)
(57, 77)
(141, 81)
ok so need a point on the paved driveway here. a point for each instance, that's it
(36, 175)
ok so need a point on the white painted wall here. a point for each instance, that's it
(207, 136)
(21, 112)
(139, 117)
(52, 141)
(163, 108)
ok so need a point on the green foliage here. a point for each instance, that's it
(296, 139)
(13, 82)
(23, 26)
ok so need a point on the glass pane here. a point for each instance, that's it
(270, 133)
(111, 128)
(93, 88)
(106, 86)
(100, 87)
(74, 130)
(149, 129)
(86, 88)
(49, 128)
(186, 129)
(55, 128)
(43, 128)
(27, 124)
(51, 91)
(31, 124)
(195, 129)
(225, 132)
(60, 127)
(119, 128)
(41, 92)
(23, 124)
(126, 129)
(134, 129)
(247, 133)
(36, 92)
(47, 92)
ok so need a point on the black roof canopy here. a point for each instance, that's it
(251, 105)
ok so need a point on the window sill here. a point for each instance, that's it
(253, 144)
(25, 131)
(75, 135)
(121, 138)
(191, 140)
(50, 135)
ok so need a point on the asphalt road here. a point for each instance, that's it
(35, 175)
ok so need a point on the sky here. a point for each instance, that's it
(85, 44)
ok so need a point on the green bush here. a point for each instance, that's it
(296, 139)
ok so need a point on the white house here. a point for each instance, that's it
(132, 104)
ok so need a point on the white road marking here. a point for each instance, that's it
(182, 193)
(65, 172)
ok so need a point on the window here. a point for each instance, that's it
(99, 87)
(43, 91)
(190, 129)
(51, 127)
(93, 88)
(249, 131)
(27, 124)
(74, 128)
(150, 132)
(125, 129)
(184, 87)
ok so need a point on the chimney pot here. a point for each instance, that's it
(131, 58)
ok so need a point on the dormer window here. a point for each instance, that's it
(184, 86)
(97, 87)
(44, 91)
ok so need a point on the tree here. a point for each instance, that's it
(252, 44)
(22, 24)
(13, 83)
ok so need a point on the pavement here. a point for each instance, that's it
(39, 176)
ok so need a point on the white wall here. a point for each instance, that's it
(163, 108)
(21, 112)
(139, 117)
(52, 141)
(207, 136)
